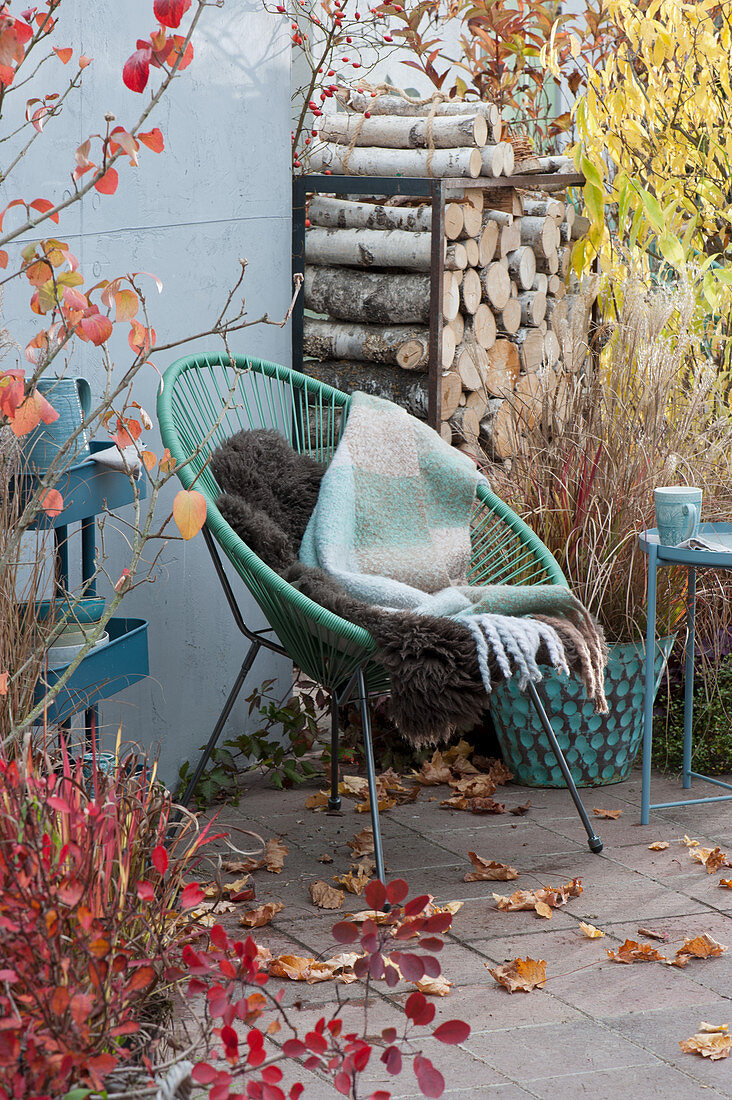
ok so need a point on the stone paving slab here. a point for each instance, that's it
(598, 1029)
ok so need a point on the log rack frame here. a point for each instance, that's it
(437, 190)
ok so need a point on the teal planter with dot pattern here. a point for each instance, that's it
(600, 748)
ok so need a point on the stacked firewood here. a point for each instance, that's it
(505, 261)
(387, 135)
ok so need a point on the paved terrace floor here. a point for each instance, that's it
(598, 1029)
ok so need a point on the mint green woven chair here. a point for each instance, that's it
(204, 401)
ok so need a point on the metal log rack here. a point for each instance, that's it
(438, 191)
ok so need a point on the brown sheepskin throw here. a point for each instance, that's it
(269, 492)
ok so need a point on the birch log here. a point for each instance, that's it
(495, 159)
(468, 369)
(466, 163)
(503, 368)
(552, 350)
(472, 252)
(472, 221)
(450, 296)
(541, 282)
(580, 227)
(403, 345)
(376, 248)
(487, 243)
(454, 220)
(404, 388)
(477, 400)
(547, 265)
(511, 316)
(541, 234)
(533, 307)
(449, 344)
(547, 208)
(465, 424)
(397, 105)
(528, 400)
(402, 132)
(498, 430)
(556, 286)
(470, 290)
(334, 213)
(496, 285)
(522, 266)
(510, 239)
(450, 389)
(351, 295)
(530, 345)
(481, 327)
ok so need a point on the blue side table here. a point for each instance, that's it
(658, 557)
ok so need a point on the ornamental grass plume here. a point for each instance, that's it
(646, 409)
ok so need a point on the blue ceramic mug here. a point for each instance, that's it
(71, 398)
(678, 512)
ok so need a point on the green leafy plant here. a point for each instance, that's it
(712, 744)
(280, 746)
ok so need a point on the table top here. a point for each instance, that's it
(721, 532)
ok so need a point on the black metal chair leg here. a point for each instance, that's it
(371, 777)
(334, 802)
(247, 663)
(592, 839)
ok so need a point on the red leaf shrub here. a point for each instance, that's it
(87, 921)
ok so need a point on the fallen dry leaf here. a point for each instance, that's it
(726, 882)
(434, 772)
(325, 858)
(317, 801)
(242, 866)
(354, 786)
(462, 767)
(698, 947)
(300, 969)
(326, 896)
(208, 914)
(490, 870)
(590, 931)
(434, 987)
(257, 918)
(712, 858)
(362, 844)
(520, 975)
(497, 770)
(631, 952)
(519, 811)
(653, 935)
(710, 1041)
(474, 786)
(357, 879)
(658, 846)
(455, 752)
(542, 900)
(611, 815)
(474, 805)
(689, 842)
(430, 909)
(274, 856)
(384, 804)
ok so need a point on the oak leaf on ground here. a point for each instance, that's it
(434, 772)
(257, 918)
(658, 846)
(611, 815)
(317, 801)
(434, 987)
(300, 969)
(631, 952)
(474, 786)
(489, 870)
(697, 947)
(712, 858)
(362, 844)
(326, 896)
(542, 900)
(711, 1041)
(463, 750)
(356, 880)
(520, 975)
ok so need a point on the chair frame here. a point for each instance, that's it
(355, 679)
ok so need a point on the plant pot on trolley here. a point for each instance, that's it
(600, 749)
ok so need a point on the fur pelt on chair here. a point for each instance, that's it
(269, 493)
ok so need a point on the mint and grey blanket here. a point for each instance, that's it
(392, 527)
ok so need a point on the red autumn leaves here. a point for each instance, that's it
(160, 50)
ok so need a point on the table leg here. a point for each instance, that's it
(689, 675)
(649, 685)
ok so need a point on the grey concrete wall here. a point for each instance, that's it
(220, 191)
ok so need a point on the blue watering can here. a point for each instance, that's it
(71, 398)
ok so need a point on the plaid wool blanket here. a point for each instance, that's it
(392, 527)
